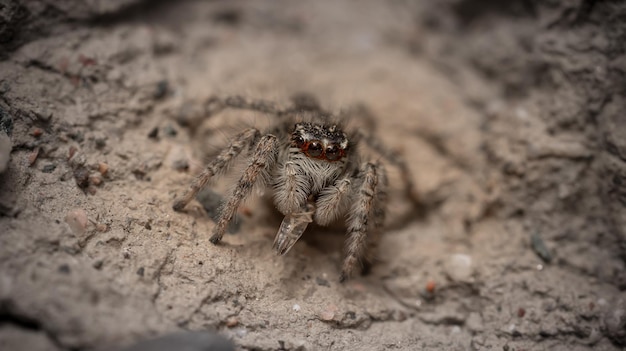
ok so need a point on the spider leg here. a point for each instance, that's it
(215, 104)
(264, 158)
(367, 194)
(409, 186)
(301, 102)
(245, 139)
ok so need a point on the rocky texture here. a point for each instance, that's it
(508, 115)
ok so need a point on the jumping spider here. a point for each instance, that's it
(313, 168)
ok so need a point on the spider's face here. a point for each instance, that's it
(320, 141)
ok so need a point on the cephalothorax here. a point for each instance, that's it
(313, 168)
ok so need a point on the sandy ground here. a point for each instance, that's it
(509, 118)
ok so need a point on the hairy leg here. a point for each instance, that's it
(263, 159)
(358, 220)
(242, 141)
(388, 155)
(379, 207)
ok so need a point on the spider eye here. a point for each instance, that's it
(333, 153)
(315, 149)
(298, 141)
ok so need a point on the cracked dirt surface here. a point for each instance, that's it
(514, 143)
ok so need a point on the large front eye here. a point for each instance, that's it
(333, 153)
(315, 149)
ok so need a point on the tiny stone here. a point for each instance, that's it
(100, 143)
(474, 322)
(327, 315)
(170, 131)
(81, 174)
(98, 264)
(101, 227)
(140, 271)
(71, 152)
(32, 157)
(180, 165)
(322, 282)
(77, 221)
(154, 133)
(161, 90)
(95, 179)
(92, 190)
(459, 268)
(212, 201)
(296, 307)
(103, 168)
(540, 248)
(64, 268)
(49, 168)
(232, 322)
(37, 132)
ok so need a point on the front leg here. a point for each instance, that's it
(263, 159)
(243, 141)
(367, 194)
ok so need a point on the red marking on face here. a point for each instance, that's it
(315, 149)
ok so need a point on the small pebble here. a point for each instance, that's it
(37, 132)
(103, 168)
(540, 248)
(101, 227)
(430, 286)
(328, 313)
(32, 157)
(49, 168)
(64, 268)
(98, 264)
(232, 322)
(100, 143)
(92, 190)
(162, 88)
(170, 131)
(459, 268)
(77, 221)
(154, 133)
(211, 202)
(81, 174)
(95, 179)
(521, 312)
(296, 307)
(322, 282)
(71, 152)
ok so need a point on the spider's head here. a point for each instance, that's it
(320, 141)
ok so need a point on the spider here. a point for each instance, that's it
(313, 168)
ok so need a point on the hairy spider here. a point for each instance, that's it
(314, 170)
